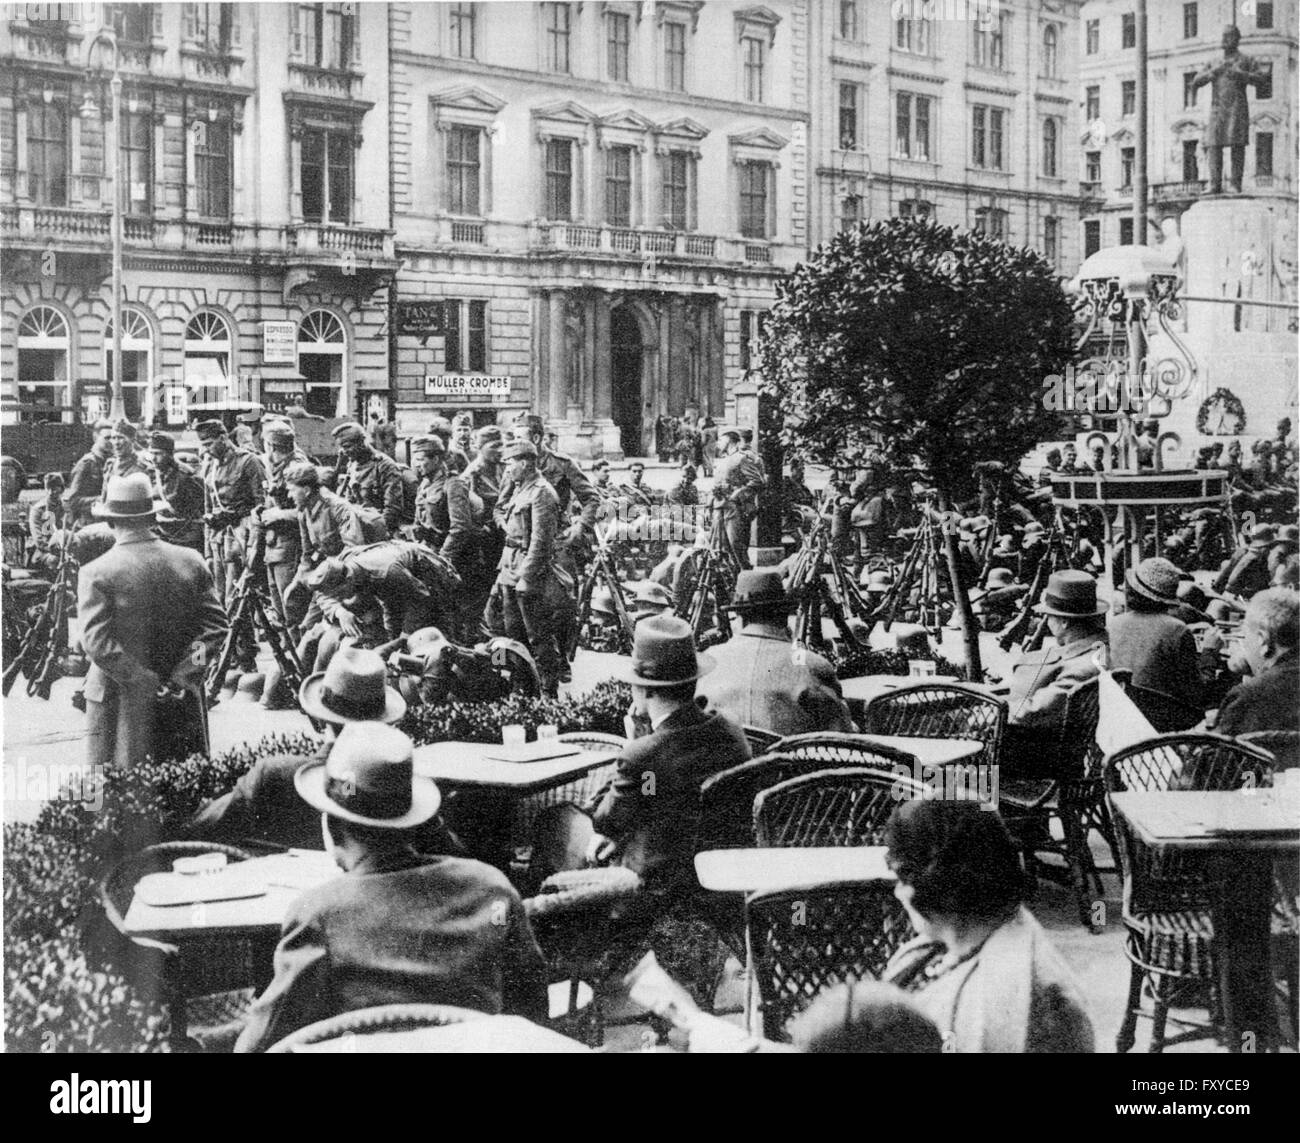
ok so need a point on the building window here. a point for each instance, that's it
(465, 340)
(1093, 34)
(618, 34)
(208, 25)
(986, 137)
(850, 97)
(1050, 38)
(754, 51)
(1052, 240)
(1191, 173)
(912, 126)
(322, 355)
(212, 168)
(850, 211)
(915, 208)
(677, 188)
(990, 42)
(44, 346)
(1126, 168)
(991, 222)
(559, 179)
(1264, 89)
(137, 370)
(559, 26)
(1128, 30)
(1189, 91)
(1050, 149)
(1128, 97)
(1092, 104)
(137, 159)
(47, 153)
(1263, 153)
(461, 28)
(327, 175)
(912, 34)
(848, 19)
(325, 35)
(1190, 30)
(206, 367)
(1263, 13)
(755, 199)
(1126, 230)
(132, 23)
(618, 186)
(753, 324)
(464, 170)
(675, 57)
(1091, 237)
(1092, 166)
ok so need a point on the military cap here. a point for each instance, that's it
(162, 442)
(463, 419)
(280, 438)
(517, 449)
(125, 428)
(431, 445)
(210, 429)
(103, 423)
(490, 433)
(440, 425)
(347, 430)
(530, 422)
(303, 474)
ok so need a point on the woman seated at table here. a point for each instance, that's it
(981, 967)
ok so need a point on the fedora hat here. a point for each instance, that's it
(759, 588)
(663, 654)
(327, 575)
(369, 779)
(1070, 595)
(353, 688)
(128, 497)
(1155, 578)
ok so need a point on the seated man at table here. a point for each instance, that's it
(1271, 636)
(1042, 681)
(397, 927)
(762, 679)
(264, 806)
(646, 819)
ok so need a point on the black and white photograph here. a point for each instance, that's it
(651, 526)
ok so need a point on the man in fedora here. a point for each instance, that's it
(762, 679)
(151, 619)
(398, 927)
(1043, 680)
(1247, 571)
(1148, 640)
(646, 819)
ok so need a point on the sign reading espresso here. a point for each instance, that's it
(420, 319)
(279, 342)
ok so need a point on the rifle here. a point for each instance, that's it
(1015, 631)
(38, 658)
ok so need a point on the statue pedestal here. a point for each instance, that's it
(1229, 243)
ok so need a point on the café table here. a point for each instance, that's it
(1243, 832)
(769, 870)
(930, 751)
(489, 1034)
(474, 764)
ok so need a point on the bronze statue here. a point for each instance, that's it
(1229, 110)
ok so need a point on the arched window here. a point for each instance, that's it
(138, 396)
(44, 349)
(209, 372)
(1051, 165)
(322, 360)
(1049, 51)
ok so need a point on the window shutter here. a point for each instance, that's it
(232, 12)
(191, 21)
(771, 201)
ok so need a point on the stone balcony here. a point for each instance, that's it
(1178, 192)
(649, 245)
(328, 83)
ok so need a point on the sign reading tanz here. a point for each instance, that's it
(420, 319)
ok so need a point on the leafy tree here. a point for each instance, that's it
(928, 343)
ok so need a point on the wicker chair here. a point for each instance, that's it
(940, 710)
(800, 941)
(207, 984)
(1284, 745)
(832, 807)
(1167, 896)
(369, 1021)
(829, 748)
(1167, 714)
(1075, 796)
(760, 740)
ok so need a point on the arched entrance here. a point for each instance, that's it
(625, 369)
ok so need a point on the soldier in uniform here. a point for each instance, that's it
(88, 476)
(484, 476)
(45, 524)
(182, 489)
(737, 482)
(372, 479)
(326, 522)
(233, 483)
(125, 459)
(526, 585)
(283, 544)
(462, 438)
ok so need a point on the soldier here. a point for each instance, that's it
(372, 480)
(600, 480)
(125, 459)
(737, 482)
(326, 522)
(440, 427)
(45, 524)
(182, 488)
(636, 490)
(462, 438)
(283, 534)
(526, 585)
(444, 515)
(484, 477)
(233, 484)
(88, 476)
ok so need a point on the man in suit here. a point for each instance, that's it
(1267, 700)
(1247, 572)
(151, 618)
(764, 680)
(647, 818)
(397, 927)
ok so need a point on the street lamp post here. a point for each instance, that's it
(117, 406)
